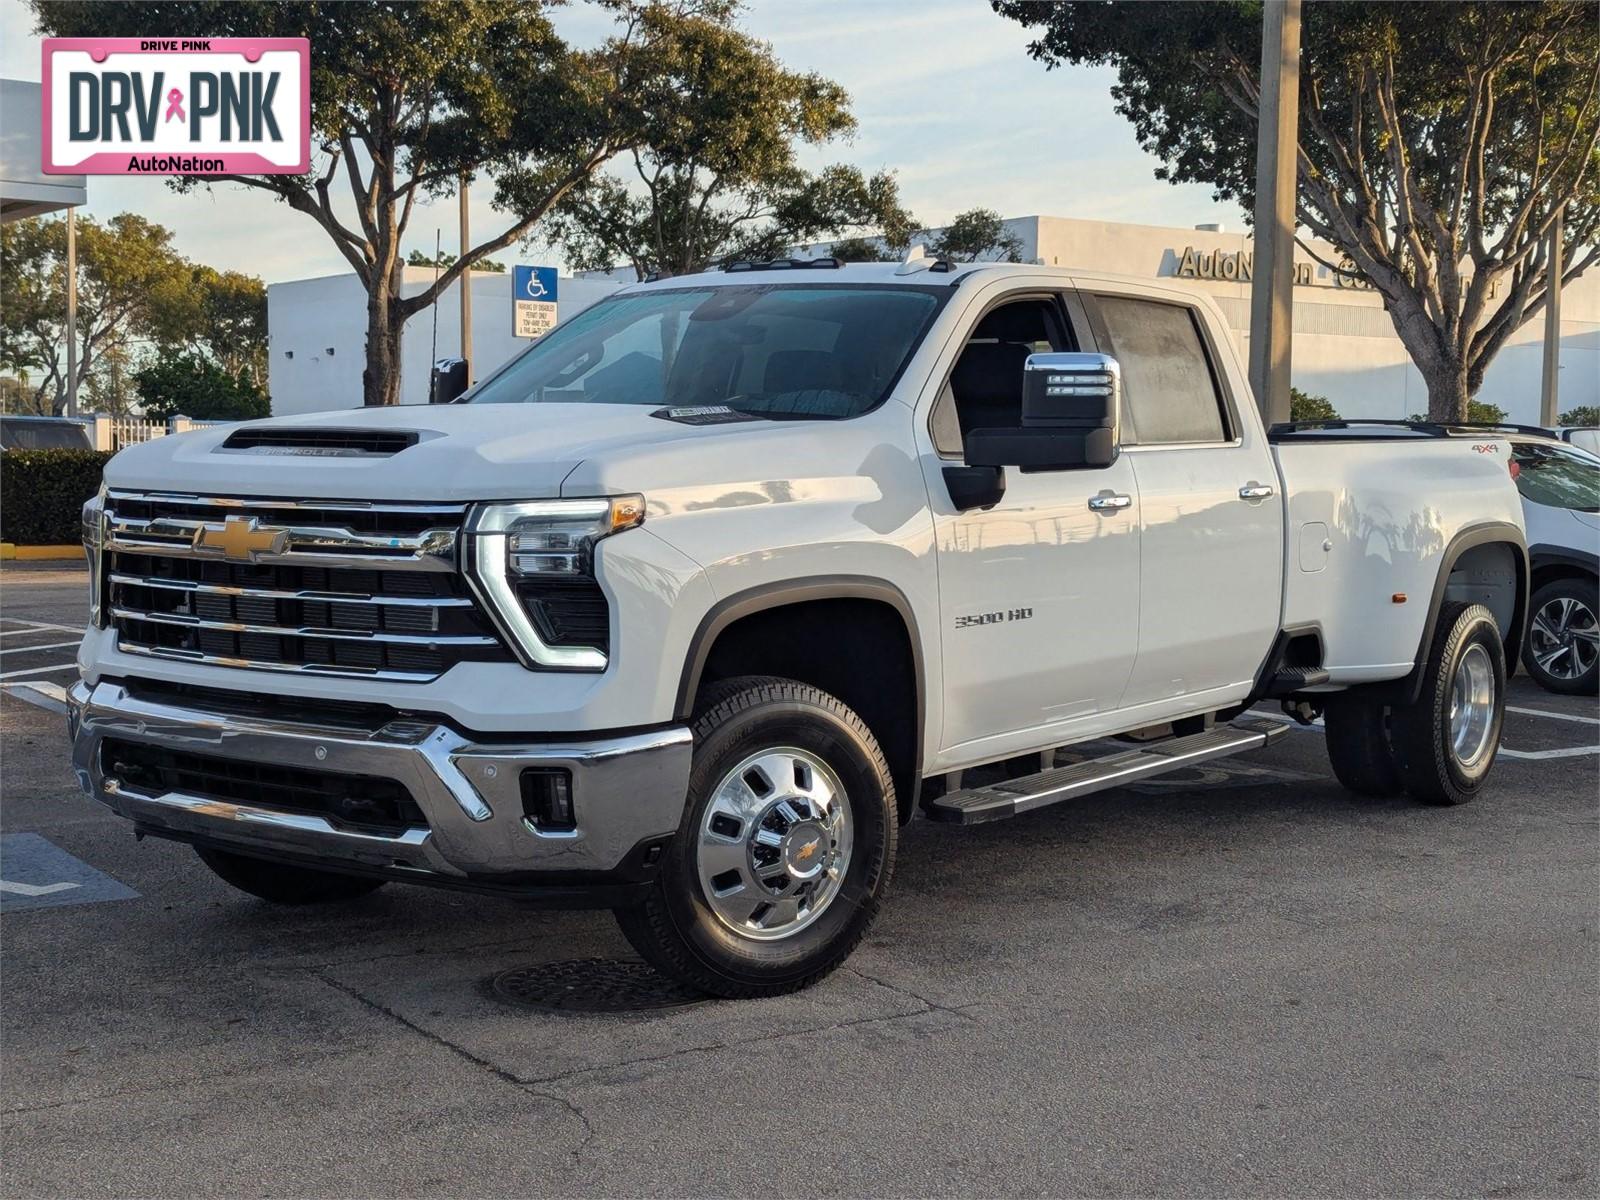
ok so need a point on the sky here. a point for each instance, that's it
(943, 91)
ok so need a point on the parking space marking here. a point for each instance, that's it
(46, 646)
(40, 693)
(39, 625)
(1505, 751)
(39, 874)
(1554, 716)
(71, 666)
(1566, 752)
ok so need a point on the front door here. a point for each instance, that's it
(1039, 594)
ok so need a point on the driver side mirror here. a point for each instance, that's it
(1070, 404)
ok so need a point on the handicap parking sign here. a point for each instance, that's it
(533, 301)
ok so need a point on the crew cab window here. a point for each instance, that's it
(1557, 478)
(985, 388)
(779, 350)
(1169, 390)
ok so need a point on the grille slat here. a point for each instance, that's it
(394, 616)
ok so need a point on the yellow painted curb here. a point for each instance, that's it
(38, 553)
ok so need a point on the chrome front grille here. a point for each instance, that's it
(337, 587)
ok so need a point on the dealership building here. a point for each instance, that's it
(1345, 347)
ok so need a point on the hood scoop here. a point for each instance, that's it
(321, 442)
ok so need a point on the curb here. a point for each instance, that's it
(9, 552)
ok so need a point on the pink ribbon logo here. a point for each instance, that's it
(175, 105)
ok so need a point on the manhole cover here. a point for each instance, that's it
(592, 985)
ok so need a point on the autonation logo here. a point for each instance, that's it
(197, 106)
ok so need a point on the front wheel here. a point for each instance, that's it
(1445, 743)
(785, 849)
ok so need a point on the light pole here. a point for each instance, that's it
(1277, 148)
(1550, 387)
(466, 287)
(72, 311)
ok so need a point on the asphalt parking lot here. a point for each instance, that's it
(1237, 981)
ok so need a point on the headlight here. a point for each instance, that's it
(94, 537)
(519, 552)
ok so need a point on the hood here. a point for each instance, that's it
(458, 452)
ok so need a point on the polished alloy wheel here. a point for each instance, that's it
(1472, 705)
(774, 844)
(1564, 638)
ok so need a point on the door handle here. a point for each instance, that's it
(1108, 502)
(1255, 491)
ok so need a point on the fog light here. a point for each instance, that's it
(547, 799)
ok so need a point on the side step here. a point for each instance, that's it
(1290, 680)
(997, 801)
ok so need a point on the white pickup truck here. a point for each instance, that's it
(686, 609)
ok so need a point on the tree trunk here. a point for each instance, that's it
(380, 381)
(1447, 392)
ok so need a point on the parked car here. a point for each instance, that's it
(43, 433)
(1560, 487)
(684, 610)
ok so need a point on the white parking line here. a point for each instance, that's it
(40, 693)
(48, 646)
(38, 625)
(71, 666)
(1568, 752)
(1554, 716)
(1505, 751)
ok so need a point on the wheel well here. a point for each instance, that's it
(1490, 574)
(856, 649)
(1551, 571)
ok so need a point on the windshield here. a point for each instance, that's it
(43, 435)
(782, 351)
(1558, 478)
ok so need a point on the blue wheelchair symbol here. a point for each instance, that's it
(534, 283)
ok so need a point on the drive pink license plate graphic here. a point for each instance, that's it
(177, 106)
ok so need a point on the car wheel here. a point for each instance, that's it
(785, 850)
(282, 883)
(1358, 746)
(1445, 743)
(1562, 649)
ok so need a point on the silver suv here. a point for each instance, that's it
(1560, 487)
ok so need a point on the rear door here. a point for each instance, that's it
(1210, 521)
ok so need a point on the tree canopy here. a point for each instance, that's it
(192, 385)
(1438, 143)
(977, 235)
(409, 98)
(715, 175)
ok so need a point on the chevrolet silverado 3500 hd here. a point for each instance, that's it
(686, 609)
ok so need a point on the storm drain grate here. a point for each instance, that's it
(592, 985)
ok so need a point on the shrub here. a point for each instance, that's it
(1582, 416)
(42, 494)
(1303, 406)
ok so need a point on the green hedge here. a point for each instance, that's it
(42, 494)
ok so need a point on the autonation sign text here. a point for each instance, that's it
(171, 106)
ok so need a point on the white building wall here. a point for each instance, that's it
(317, 333)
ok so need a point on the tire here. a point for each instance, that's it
(1560, 651)
(1358, 746)
(282, 883)
(1446, 742)
(728, 913)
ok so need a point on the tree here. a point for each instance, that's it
(1479, 412)
(1303, 406)
(126, 270)
(861, 249)
(222, 314)
(1438, 143)
(977, 235)
(192, 385)
(715, 174)
(407, 99)
(1583, 415)
(444, 259)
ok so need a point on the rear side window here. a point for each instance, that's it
(1169, 391)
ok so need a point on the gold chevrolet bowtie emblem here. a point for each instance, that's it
(241, 539)
(807, 850)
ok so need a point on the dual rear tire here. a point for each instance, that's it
(1440, 748)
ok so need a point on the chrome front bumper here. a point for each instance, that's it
(627, 789)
